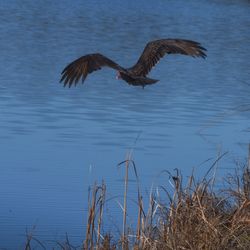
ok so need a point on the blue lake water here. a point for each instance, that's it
(56, 141)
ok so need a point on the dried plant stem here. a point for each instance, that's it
(125, 203)
(96, 203)
(102, 200)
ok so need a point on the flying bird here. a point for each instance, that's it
(137, 74)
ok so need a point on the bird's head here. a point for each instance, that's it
(118, 75)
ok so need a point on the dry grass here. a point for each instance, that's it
(194, 215)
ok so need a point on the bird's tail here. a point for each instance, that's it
(150, 80)
(145, 81)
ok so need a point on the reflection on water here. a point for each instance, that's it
(50, 135)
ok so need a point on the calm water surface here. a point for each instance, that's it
(56, 141)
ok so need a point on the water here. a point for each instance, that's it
(56, 141)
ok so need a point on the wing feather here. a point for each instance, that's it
(155, 50)
(85, 65)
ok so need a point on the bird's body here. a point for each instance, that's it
(136, 80)
(135, 75)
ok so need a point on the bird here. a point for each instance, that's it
(137, 74)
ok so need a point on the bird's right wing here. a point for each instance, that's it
(157, 49)
(85, 65)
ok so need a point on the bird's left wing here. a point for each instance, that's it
(85, 65)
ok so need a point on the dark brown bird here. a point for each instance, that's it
(135, 75)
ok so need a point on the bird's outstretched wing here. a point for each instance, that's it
(85, 65)
(157, 49)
